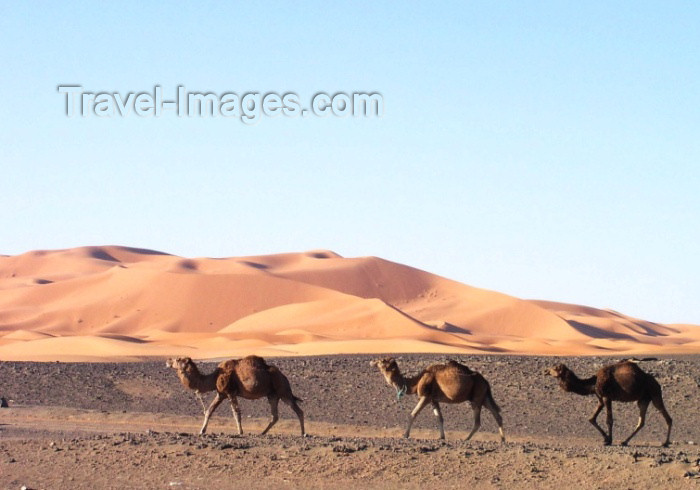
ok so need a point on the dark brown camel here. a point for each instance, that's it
(621, 382)
(451, 382)
(250, 378)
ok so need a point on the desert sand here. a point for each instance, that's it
(121, 303)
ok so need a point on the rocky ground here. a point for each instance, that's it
(133, 425)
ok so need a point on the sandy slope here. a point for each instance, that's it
(115, 302)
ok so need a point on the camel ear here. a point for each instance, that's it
(373, 363)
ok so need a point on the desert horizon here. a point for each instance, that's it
(107, 303)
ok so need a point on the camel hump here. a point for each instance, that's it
(630, 378)
(253, 375)
(458, 365)
(626, 368)
(254, 362)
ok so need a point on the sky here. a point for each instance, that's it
(547, 150)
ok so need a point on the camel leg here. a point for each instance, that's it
(477, 420)
(496, 415)
(236, 413)
(201, 401)
(214, 403)
(594, 418)
(643, 405)
(297, 410)
(438, 414)
(275, 413)
(422, 402)
(609, 420)
(659, 404)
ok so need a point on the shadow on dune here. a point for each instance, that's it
(188, 264)
(450, 328)
(598, 333)
(125, 338)
(142, 251)
(101, 254)
(254, 265)
(650, 328)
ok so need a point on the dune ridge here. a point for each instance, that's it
(116, 303)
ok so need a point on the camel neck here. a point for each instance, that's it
(406, 385)
(574, 384)
(195, 380)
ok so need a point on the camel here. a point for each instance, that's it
(451, 382)
(250, 378)
(623, 382)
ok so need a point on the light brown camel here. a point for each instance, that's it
(451, 382)
(621, 382)
(191, 378)
(250, 378)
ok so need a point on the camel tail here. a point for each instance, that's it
(297, 399)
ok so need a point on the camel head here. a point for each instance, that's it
(384, 365)
(557, 371)
(179, 363)
(388, 368)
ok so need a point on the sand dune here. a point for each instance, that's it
(118, 302)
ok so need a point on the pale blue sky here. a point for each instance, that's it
(547, 150)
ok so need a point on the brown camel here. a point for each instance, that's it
(451, 382)
(621, 382)
(250, 378)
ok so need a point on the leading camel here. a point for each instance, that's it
(622, 382)
(451, 382)
(250, 378)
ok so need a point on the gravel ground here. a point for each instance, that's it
(133, 425)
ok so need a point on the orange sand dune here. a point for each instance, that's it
(99, 303)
